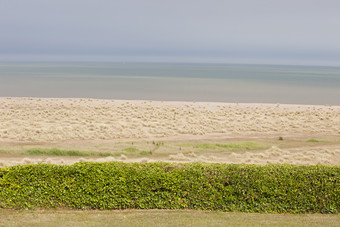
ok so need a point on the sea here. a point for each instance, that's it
(232, 83)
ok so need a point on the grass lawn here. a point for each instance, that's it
(50, 217)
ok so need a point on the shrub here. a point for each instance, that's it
(227, 187)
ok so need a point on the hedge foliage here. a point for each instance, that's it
(227, 187)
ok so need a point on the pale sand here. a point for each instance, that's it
(35, 120)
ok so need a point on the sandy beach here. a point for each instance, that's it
(73, 123)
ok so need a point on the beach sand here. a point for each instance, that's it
(75, 123)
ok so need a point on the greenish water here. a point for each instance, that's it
(180, 82)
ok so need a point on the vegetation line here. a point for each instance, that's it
(60, 152)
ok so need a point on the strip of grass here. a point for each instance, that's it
(316, 141)
(130, 152)
(131, 149)
(146, 153)
(5, 152)
(238, 146)
(159, 218)
(60, 152)
(226, 187)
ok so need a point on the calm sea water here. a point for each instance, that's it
(177, 82)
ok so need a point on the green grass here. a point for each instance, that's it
(238, 146)
(60, 152)
(130, 149)
(6, 152)
(316, 141)
(160, 218)
(145, 153)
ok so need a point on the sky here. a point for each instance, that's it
(220, 31)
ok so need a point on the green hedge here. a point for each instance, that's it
(227, 187)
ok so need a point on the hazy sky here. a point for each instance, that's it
(239, 31)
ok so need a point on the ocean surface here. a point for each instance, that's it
(174, 82)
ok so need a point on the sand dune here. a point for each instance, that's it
(48, 120)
